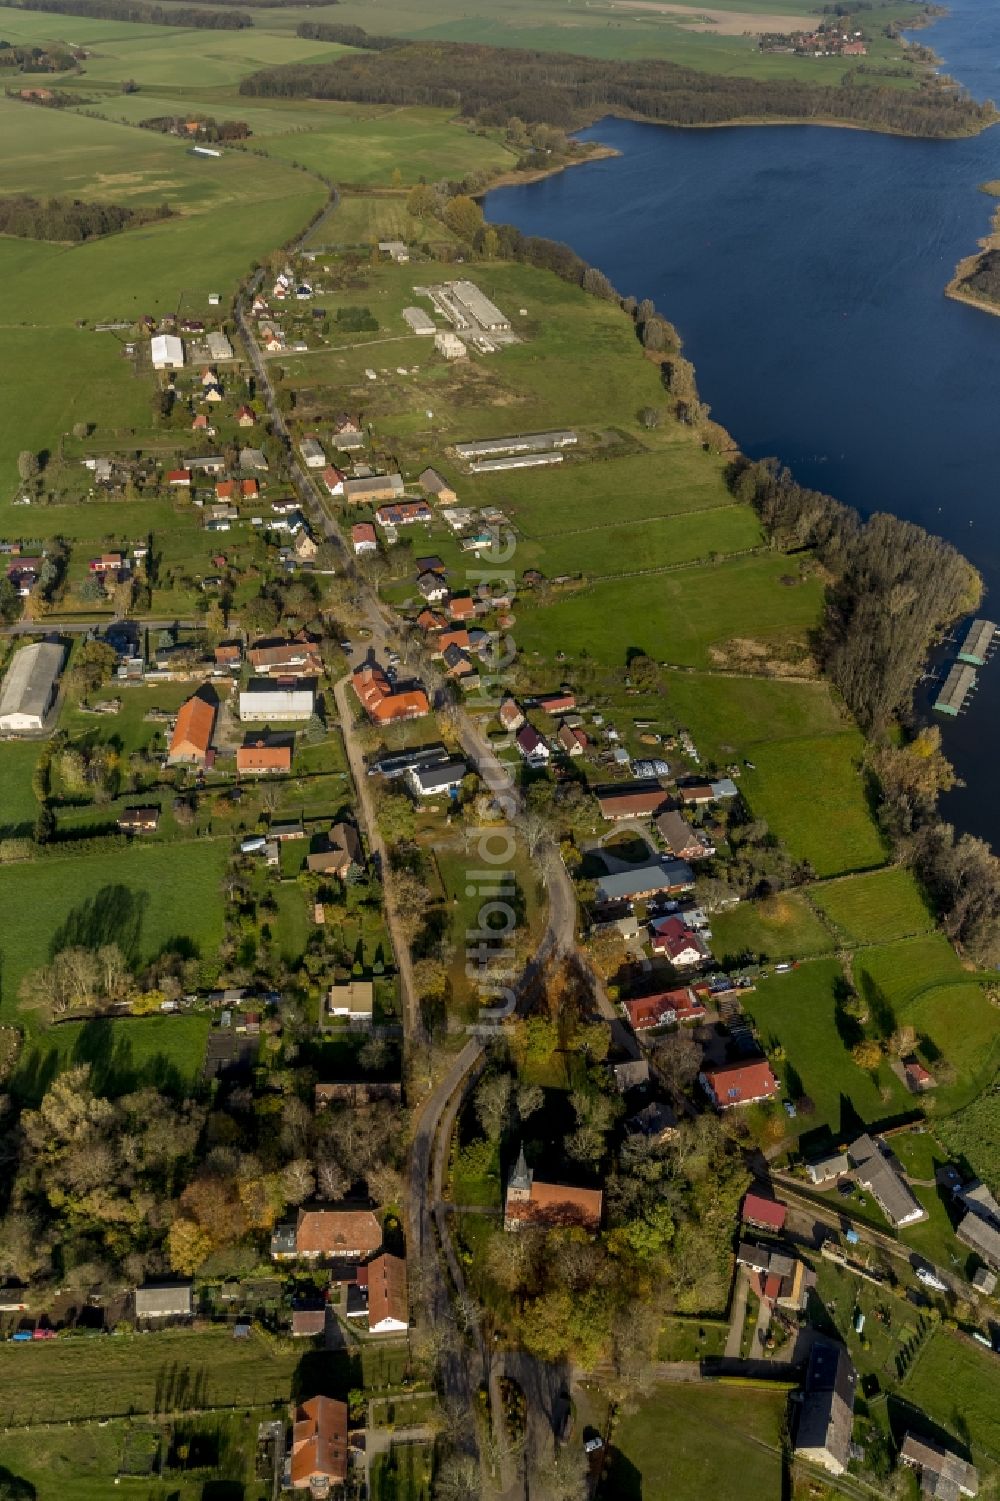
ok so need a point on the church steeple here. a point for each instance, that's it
(520, 1179)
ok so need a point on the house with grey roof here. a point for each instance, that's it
(164, 1300)
(875, 1171)
(826, 1414)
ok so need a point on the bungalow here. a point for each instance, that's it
(436, 485)
(353, 998)
(551, 1205)
(388, 1305)
(639, 799)
(249, 489)
(733, 1084)
(333, 480)
(139, 820)
(319, 1458)
(201, 424)
(108, 562)
(674, 940)
(918, 1078)
(286, 830)
(245, 416)
(363, 538)
(189, 744)
(532, 747)
(264, 755)
(659, 877)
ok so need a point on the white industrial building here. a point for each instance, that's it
(478, 305)
(449, 344)
(167, 352)
(265, 700)
(30, 687)
(418, 320)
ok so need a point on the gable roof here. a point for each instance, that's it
(337, 1232)
(319, 1441)
(740, 1083)
(193, 730)
(387, 1297)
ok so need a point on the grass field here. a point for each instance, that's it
(366, 218)
(800, 1010)
(115, 1376)
(957, 1384)
(673, 617)
(365, 147)
(811, 794)
(689, 1442)
(974, 1134)
(727, 716)
(18, 808)
(124, 1054)
(878, 907)
(144, 898)
(781, 927)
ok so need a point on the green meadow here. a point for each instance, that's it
(123, 1054)
(783, 926)
(145, 898)
(873, 908)
(957, 1384)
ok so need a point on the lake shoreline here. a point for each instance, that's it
(969, 263)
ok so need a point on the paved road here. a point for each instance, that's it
(734, 1338)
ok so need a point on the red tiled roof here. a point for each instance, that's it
(556, 1204)
(740, 1083)
(263, 757)
(766, 1212)
(337, 1232)
(387, 1297)
(319, 1441)
(193, 731)
(379, 700)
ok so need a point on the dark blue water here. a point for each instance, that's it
(804, 268)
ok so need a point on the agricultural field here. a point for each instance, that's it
(877, 907)
(366, 146)
(367, 218)
(730, 716)
(178, 1369)
(811, 794)
(144, 898)
(783, 926)
(801, 1010)
(688, 1442)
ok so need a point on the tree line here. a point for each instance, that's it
(50, 59)
(142, 12)
(984, 278)
(492, 83)
(209, 129)
(68, 220)
(345, 35)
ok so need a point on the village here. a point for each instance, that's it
(307, 671)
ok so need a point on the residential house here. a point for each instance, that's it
(918, 1078)
(388, 1305)
(253, 458)
(875, 1171)
(634, 1074)
(319, 1445)
(530, 1202)
(190, 741)
(981, 1235)
(511, 715)
(729, 1085)
(299, 657)
(333, 481)
(312, 453)
(660, 877)
(308, 1322)
(164, 1300)
(655, 1121)
(664, 1009)
(286, 830)
(139, 820)
(697, 794)
(305, 546)
(347, 434)
(942, 1473)
(363, 538)
(201, 424)
(431, 781)
(437, 486)
(828, 1169)
(572, 740)
(639, 799)
(382, 702)
(433, 587)
(674, 940)
(245, 416)
(775, 1277)
(229, 654)
(179, 477)
(764, 1214)
(680, 838)
(461, 607)
(352, 998)
(264, 755)
(431, 620)
(108, 562)
(532, 747)
(403, 513)
(340, 1233)
(249, 489)
(826, 1414)
(341, 853)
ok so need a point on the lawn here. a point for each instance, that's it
(811, 794)
(974, 1134)
(689, 1442)
(922, 983)
(800, 1010)
(124, 1054)
(455, 868)
(957, 1385)
(404, 1474)
(877, 907)
(18, 807)
(691, 1338)
(145, 898)
(725, 716)
(113, 1376)
(783, 926)
(675, 617)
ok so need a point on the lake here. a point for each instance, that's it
(804, 268)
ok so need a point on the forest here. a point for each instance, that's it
(346, 36)
(984, 278)
(493, 83)
(68, 221)
(141, 12)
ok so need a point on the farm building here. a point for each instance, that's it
(450, 345)
(468, 307)
(30, 687)
(266, 700)
(166, 352)
(826, 1417)
(219, 347)
(374, 487)
(435, 484)
(515, 461)
(942, 1473)
(189, 744)
(418, 321)
(524, 443)
(164, 1300)
(388, 1307)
